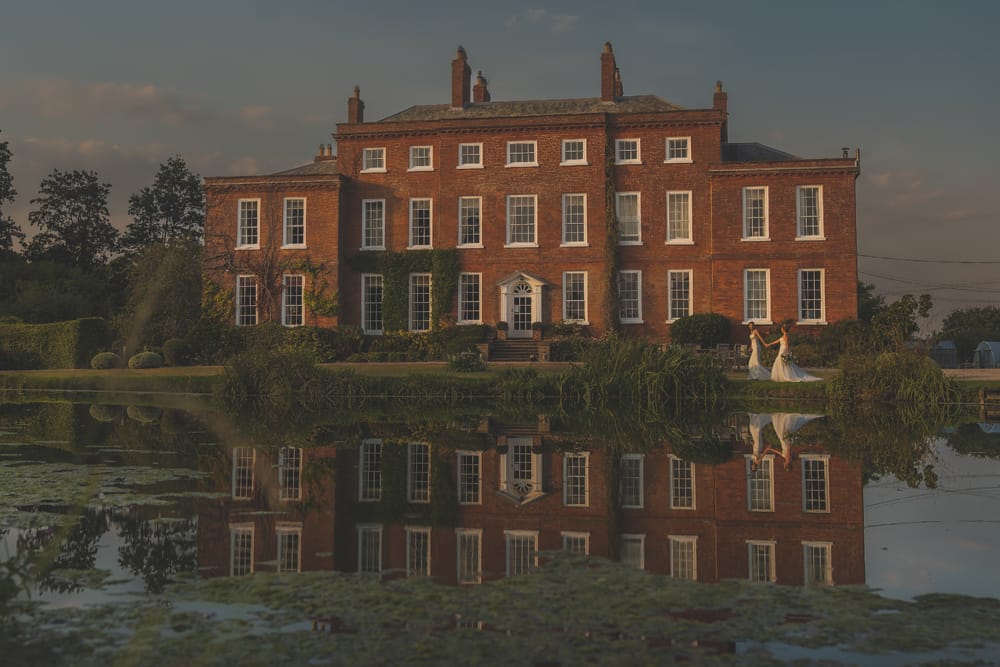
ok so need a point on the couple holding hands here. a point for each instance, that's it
(784, 369)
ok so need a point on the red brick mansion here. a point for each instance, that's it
(616, 210)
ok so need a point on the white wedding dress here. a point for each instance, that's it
(785, 370)
(757, 370)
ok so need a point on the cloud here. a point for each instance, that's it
(558, 23)
(58, 98)
(257, 116)
(245, 166)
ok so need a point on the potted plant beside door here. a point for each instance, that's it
(536, 330)
(501, 330)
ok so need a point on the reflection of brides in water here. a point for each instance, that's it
(784, 369)
(755, 369)
(785, 424)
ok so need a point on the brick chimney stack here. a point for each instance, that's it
(461, 80)
(611, 83)
(480, 93)
(720, 102)
(355, 107)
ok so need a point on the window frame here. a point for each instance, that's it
(633, 538)
(415, 278)
(425, 533)
(620, 146)
(429, 202)
(675, 486)
(577, 479)
(509, 537)
(571, 162)
(422, 167)
(289, 474)
(462, 301)
(243, 226)
(533, 243)
(462, 576)
(245, 281)
(806, 460)
(522, 163)
(478, 164)
(800, 279)
(688, 239)
(463, 201)
(584, 300)
(475, 485)
(287, 305)
(765, 234)
(672, 315)
(366, 469)
(242, 478)
(366, 303)
(371, 529)
(366, 224)
(281, 546)
(747, 315)
(770, 547)
(566, 243)
(687, 159)
(241, 529)
(568, 535)
(640, 482)
(637, 319)
(807, 568)
(373, 154)
(619, 198)
(418, 480)
(766, 465)
(674, 544)
(286, 225)
(799, 213)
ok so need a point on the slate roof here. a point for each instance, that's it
(754, 152)
(321, 168)
(513, 109)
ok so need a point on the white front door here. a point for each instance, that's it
(521, 307)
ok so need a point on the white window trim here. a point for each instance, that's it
(586, 479)
(689, 239)
(430, 303)
(676, 160)
(284, 302)
(586, 300)
(631, 320)
(683, 539)
(253, 472)
(370, 332)
(822, 297)
(767, 214)
(459, 320)
(772, 574)
(374, 528)
(361, 470)
(285, 497)
(522, 244)
(288, 529)
(429, 167)
(642, 479)
(798, 214)
(572, 163)
(430, 224)
(478, 533)
(239, 225)
(694, 486)
(585, 243)
(574, 534)
(470, 165)
(746, 315)
(826, 493)
(828, 573)
(750, 508)
(373, 170)
(638, 151)
(638, 214)
(256, 300)
(242, 528)
(534, 163)
(459, 243)
(670, 300)
(641, 539)
(458, 476)
(364, 223)
(419, 530)
(508, 534)
(284, 224)
(409, 473)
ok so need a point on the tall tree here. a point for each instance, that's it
(73, 220)
(968, 327)
(9, 229)
(172, 208)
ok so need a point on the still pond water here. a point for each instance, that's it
(106, 511)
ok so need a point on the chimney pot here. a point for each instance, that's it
(355, 107)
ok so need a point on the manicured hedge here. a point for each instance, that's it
(58, 345)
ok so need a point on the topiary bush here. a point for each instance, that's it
(177, 352)
(105, 360)
(145, 360)
(466, 362)
(704, 329)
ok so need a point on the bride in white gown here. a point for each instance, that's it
(784, 369)
(757, 370)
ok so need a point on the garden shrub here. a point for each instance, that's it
(177, 352)
(145, 360)
(466, 362)
(105, 360)
(69, 344)
(704, 329)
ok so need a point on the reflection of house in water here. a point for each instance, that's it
(278, 515)
(483, 506)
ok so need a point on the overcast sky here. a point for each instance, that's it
(247, 87)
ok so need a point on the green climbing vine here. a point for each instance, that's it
(317, 299)
(610, 234)
(395, 269)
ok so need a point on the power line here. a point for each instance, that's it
(958, 287)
